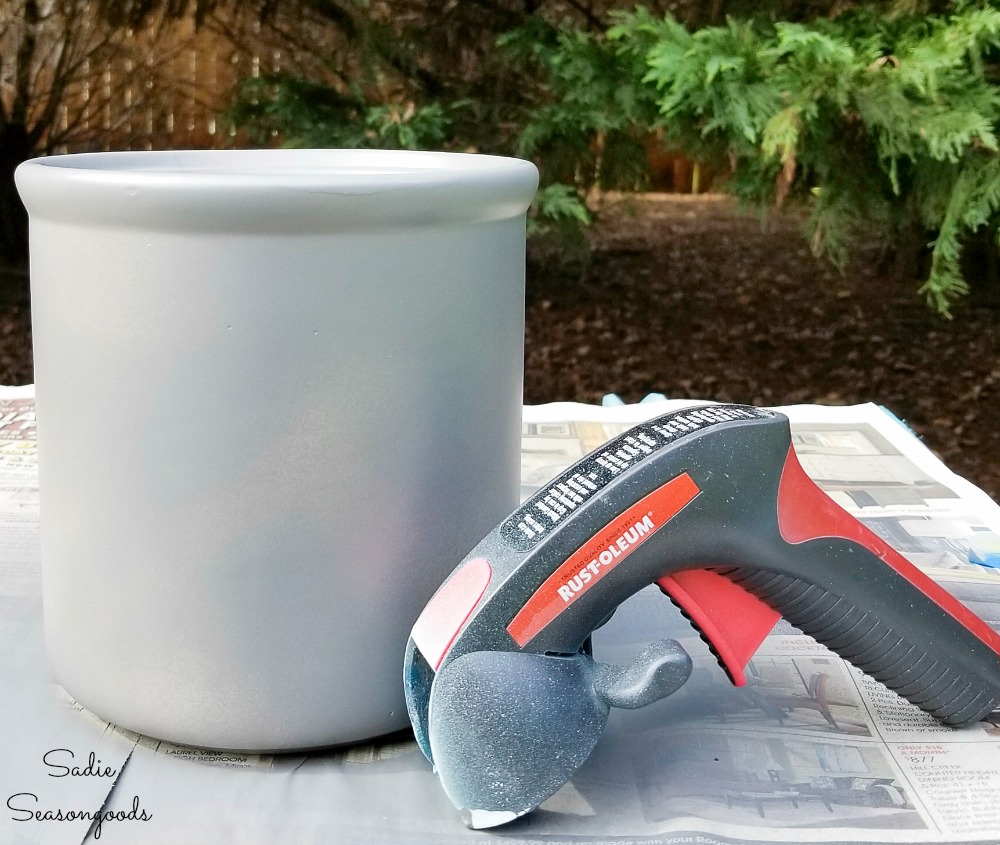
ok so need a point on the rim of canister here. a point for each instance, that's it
(283, 190)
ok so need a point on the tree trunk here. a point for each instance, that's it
(981, 267)
(909, 257)
(15, 147)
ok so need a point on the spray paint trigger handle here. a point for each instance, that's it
(657, 671)
(732, 621)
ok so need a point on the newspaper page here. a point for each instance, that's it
(18, 493)
(810, 750)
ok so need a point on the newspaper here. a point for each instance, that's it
(810, 750)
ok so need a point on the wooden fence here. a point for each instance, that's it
(173, 98)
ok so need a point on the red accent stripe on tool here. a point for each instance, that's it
(734, 621)
(599, 555)
(805, 512)
(445, 614)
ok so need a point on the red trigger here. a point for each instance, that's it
(733, 621)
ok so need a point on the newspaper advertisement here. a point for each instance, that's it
(809, 750)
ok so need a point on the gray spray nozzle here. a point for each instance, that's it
(508, 729)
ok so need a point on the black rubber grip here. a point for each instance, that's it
(932, 683)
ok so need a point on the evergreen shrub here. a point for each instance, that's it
(881, 119)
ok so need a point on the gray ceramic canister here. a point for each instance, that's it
(279, 397)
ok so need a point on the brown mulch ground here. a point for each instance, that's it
(689, 297)
(15, 326)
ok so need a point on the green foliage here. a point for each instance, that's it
(589, 128)
(580, 125)
(882, 119)
(557, 203)
(876, 117)
(303, 113)
(556, 223)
